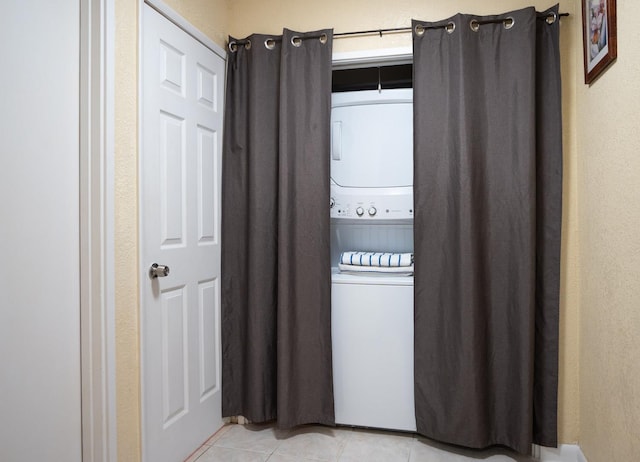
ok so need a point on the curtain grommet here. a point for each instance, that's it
(296, 41)
(247, 45)
(419, 30)
(474, 25)
(270, 44)
(508, 23)
(233, 47)
(450, 27)
(324, 38)
(551, 18)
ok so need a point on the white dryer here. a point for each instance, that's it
(372, 210)
(372, 155)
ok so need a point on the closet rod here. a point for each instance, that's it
(408, 29)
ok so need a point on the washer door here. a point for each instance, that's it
(372, 335)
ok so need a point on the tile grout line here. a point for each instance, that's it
(275, 448)
(206, 444)
(344, 445)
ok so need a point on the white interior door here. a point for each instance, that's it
(180, 176)
(40, 415)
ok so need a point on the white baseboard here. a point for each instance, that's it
(564, 453)
(581, 456)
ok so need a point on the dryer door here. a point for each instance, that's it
(372, 138)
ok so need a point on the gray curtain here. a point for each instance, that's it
(276, 281)
(488, 195)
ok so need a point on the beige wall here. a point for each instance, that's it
(126, 232)
(247, 16)
(209, 16)
(216, 18)
(609, 219)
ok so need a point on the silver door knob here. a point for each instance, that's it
(158, 271)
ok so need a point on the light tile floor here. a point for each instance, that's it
(261, 443)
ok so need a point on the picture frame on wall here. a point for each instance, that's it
(599, 36)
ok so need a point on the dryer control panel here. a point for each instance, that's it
(372, 203)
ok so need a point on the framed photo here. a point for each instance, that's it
(599, 36)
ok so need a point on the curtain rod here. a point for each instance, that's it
(450, 26)
(550, 18)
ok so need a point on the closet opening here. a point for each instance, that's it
(372, 78)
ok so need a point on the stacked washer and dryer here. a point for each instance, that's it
(371, 248)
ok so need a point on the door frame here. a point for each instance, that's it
(174, 17)
(96, 225)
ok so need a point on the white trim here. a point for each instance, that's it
(97, 310)
(581, 456)
(363, 58)
(141, 225)
(564, 453)
(173, 16)
(141, 297)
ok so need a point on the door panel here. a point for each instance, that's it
(207, 198)
(180, 226)
(171, 182)
(209, 372)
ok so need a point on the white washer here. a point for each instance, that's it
(372, 331)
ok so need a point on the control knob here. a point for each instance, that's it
(372, 211)
(360, 211)
(332, 202)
